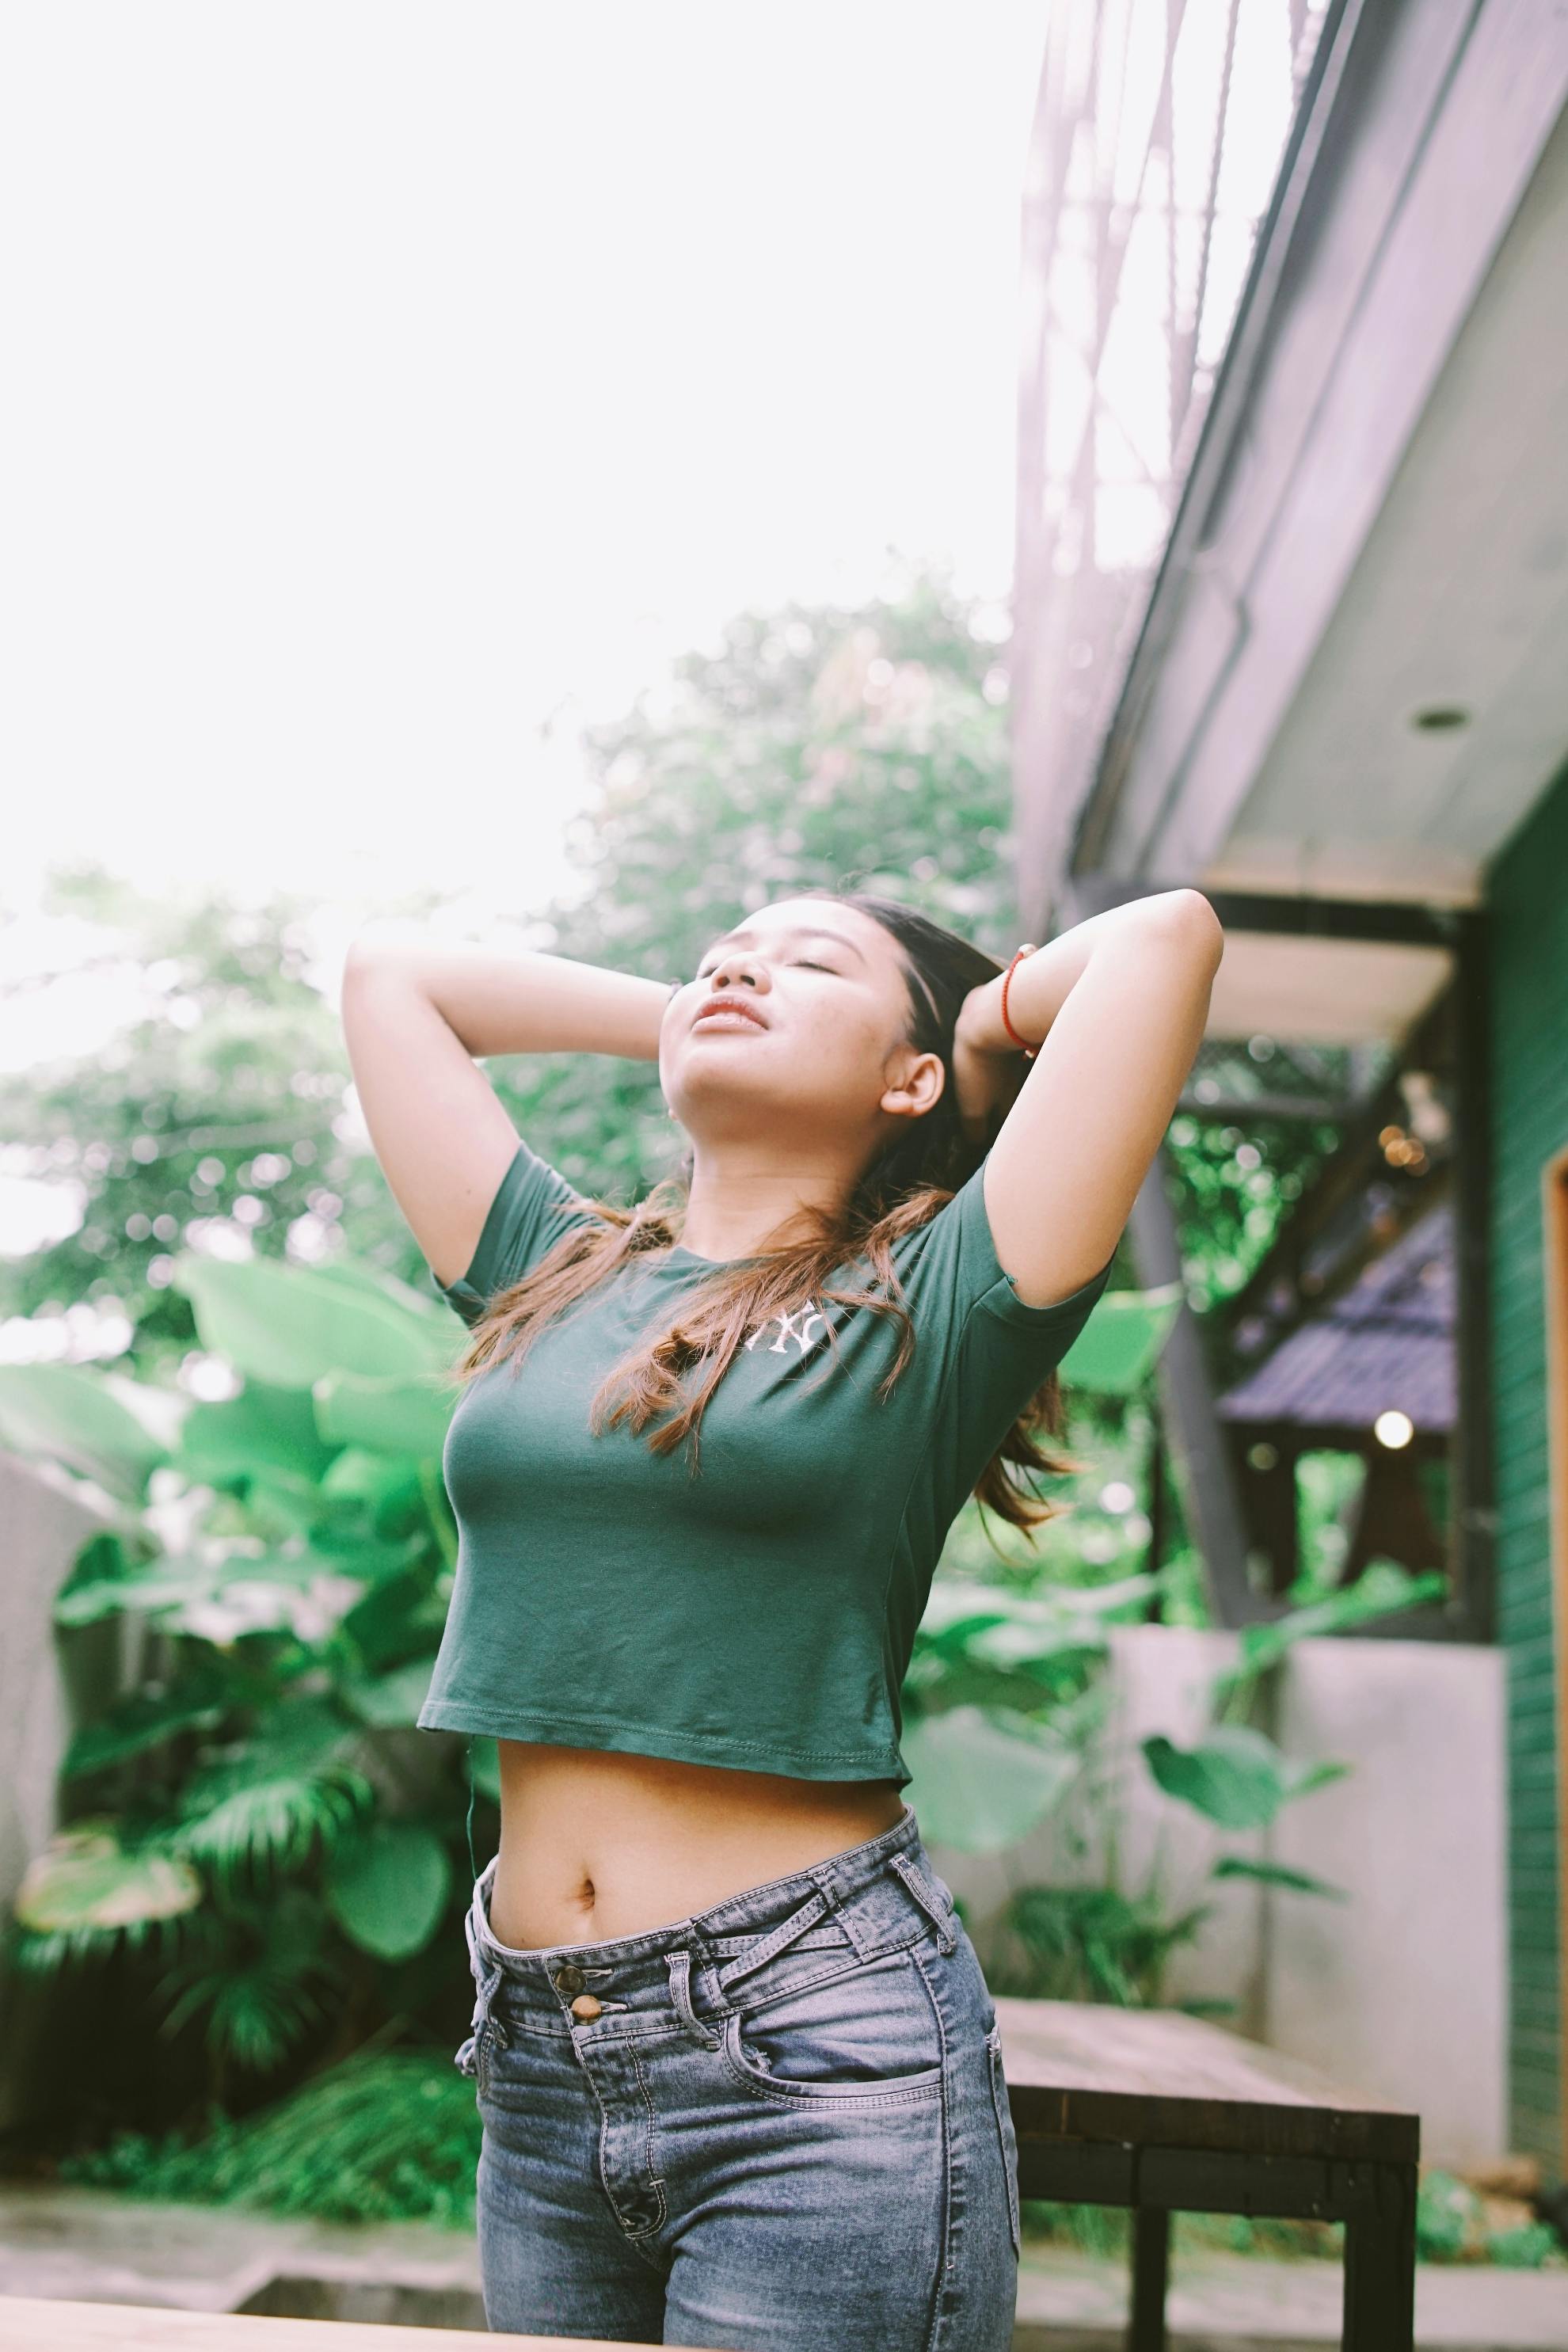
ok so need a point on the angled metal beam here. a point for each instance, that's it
(1384, 921)
(1358, 1159)
(1199, 1443)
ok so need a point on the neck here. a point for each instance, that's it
(745, 1198)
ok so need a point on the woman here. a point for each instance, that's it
(737, 2065)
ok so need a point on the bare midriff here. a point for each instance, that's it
(595, 1845)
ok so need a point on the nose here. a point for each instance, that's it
(734, 968)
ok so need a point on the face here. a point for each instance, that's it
(818, 1046)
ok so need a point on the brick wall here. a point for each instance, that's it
(1527, 897)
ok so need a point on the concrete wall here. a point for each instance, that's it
(44, 1523)
(1401, 1989)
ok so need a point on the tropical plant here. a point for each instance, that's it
(1098, 1939)
(249, 1809)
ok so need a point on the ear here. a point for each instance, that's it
(918, 1090)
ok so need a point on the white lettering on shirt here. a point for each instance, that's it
(795, 1326)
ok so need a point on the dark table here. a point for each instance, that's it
(1165, 2114)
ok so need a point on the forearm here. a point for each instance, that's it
(1179, 924)
(514, 1000)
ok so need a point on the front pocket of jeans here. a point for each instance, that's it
(865, 2032)
(1006, 2132)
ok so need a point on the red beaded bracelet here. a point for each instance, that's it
(1029, 1051)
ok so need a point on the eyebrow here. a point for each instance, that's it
(795, 931)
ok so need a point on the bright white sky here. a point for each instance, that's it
(388, 385)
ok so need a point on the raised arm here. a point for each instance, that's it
(418, 1013)
(1120, 1002)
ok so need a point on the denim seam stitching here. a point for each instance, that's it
(655, 2179)
(633, 2237)
(932, 2079)
(794, 2094)
(999, 2075)
(944, 2269)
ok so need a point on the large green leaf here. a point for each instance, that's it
(375, 1282)
(69, 1413)
(293, 1326)
(392, 1702)
(262, 1429)
(980, 1787)
(399, 1415)
(1277, 1873)
(1120, 1343)
(85, 1882)
(104, 1583)
(387, 1885)
(1236, 1776)
(398, 1619)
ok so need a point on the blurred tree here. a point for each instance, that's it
(220, 1096)
(855, 747)
(860, 748)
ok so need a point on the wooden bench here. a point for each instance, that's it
(1163, 2114)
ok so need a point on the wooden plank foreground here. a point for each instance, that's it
(1136, 2078)
(33, 2324)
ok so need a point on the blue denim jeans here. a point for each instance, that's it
(780, 2126)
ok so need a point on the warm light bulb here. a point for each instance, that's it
(1393, 1429)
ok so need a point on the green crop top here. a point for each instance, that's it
(760, 1615)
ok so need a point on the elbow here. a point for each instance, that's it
(386, 939)
(1187, 920)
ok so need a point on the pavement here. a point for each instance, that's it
(94, 2245)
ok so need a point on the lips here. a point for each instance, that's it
(719, 1006)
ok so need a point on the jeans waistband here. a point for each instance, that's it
(873, 1896)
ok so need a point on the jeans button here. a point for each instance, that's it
(586, 2006)
(569, 1980)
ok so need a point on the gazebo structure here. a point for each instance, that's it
(1369, 1372)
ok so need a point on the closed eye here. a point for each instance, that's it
(806, 960)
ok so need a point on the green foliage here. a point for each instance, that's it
(90, 1882)
(1104, 2232)
(1118, 1346)
(1235, 1186)
(1237, 1777)
(291, 1624)
(387, 1887)
(215, 1099)
(1383, 1589)
(1097, 1939)
(385, 2136)
(979, 1786)
(1450, 2218)
(1089, 1943)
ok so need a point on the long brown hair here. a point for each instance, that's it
(901, 1189)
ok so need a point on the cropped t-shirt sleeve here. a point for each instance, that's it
(992, 1345)
(533, 1206)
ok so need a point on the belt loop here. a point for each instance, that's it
(679, 1967)
(815, 1907)
(926, 1895)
